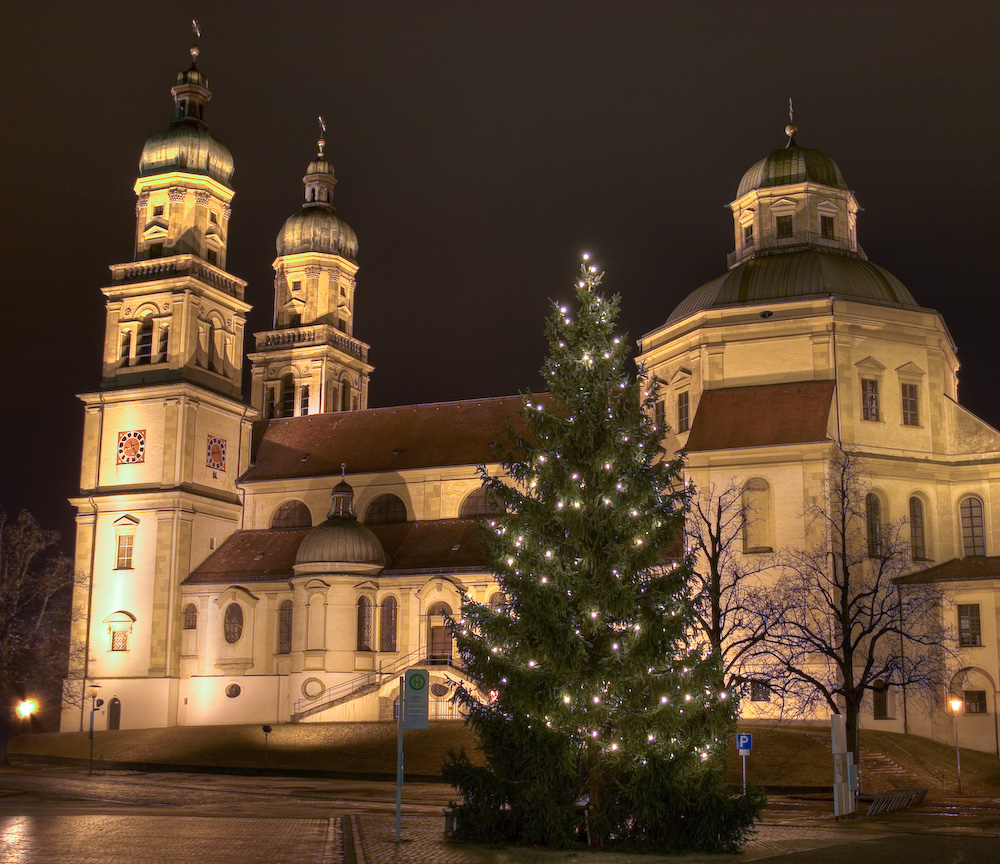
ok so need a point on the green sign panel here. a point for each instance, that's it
(415, 699)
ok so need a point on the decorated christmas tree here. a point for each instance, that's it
(596, 716)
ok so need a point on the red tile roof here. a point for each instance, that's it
(266, 555)
(956, 570)
(762, 416)
(383, 439)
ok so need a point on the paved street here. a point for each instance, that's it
(63, 816)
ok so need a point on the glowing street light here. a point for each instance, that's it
(956, 706)
(25, 708)
(95, 703)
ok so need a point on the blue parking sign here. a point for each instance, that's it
(744, 743)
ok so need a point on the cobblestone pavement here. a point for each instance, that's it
(422, 841)
(128, 839)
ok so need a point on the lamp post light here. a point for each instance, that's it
(25, 708)
(95, 703)
(956, 706)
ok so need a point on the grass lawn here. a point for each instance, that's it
(782, 755)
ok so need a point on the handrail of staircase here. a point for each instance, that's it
(352, 685)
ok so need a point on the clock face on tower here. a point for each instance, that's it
(131, 447)
(216, 456)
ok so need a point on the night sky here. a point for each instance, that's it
(480, 148)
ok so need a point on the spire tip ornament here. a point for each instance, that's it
(195, 51)
(791, 128)
(322, 135)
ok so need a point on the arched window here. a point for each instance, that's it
(233, 623)
(873, 524)
(973, 530)
(288, 396)
(345, 395)
(285, 627)
(439, 633)
(918, 536)
(497, 600)
(190, 617)
(292, 514)
(385, 508)
(126, 347)
(119, 629)
(756, 503)
(478, 503)
(213, 348)
(364, 623)
(387, 625)
(144, 344)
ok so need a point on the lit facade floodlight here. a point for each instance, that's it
(26, 708)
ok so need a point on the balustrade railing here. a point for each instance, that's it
(771, 242)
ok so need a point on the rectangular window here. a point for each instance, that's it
(119, 640)
(970, 632)
(881, 702)
(760, 691)
(157, 209)
(660, 414)
(826, 227)
(748, 235)
(783, 226)
(296, 286)
(975, 701)
(683, 412)
(910, 415)
(304, 400)
(211, 256)
(123, 558)
(869, 399)
(214, 218)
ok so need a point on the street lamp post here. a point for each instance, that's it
(956, 705)
(95, 703)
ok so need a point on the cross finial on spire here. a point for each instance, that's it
(322, 135)
(791, 128)
(343, 470)
(196, 30)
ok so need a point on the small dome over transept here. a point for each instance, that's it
(341, 539)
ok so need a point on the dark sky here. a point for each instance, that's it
(480, 147)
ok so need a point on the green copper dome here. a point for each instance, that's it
(791, 165)
(187, 148)
(317, 230)
(341, 539)
(797, 276)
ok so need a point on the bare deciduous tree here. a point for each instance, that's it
(837, 625)
(726, 580)
(35, 615)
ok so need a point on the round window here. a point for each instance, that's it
(312, 687)
(233, 690)
(439, 690)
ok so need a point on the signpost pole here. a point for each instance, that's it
(399, 753)
(744, 772)
(744, 744)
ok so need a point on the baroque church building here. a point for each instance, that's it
(284, 559)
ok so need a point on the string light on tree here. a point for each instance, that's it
(604, 658)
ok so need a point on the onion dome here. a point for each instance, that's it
(796, 276)
(317, 228)
(186, 145)
(341, 539)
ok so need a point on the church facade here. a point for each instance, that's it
(285, 558)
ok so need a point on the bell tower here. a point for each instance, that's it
(167, 434)
(310, 362)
